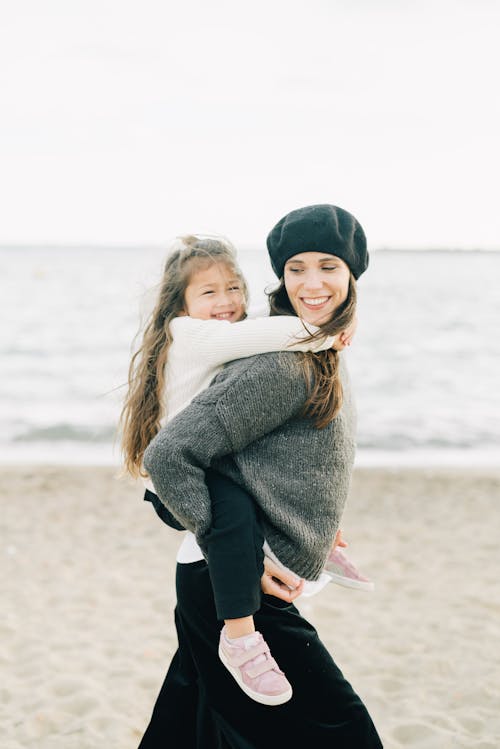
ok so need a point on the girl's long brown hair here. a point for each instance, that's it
(321, 369)
(143, 406)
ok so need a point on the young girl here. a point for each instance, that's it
(187, 340)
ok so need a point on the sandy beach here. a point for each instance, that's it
(87, 628)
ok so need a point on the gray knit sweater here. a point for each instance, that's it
(247, 426)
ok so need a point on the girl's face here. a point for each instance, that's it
(316, 284)
(215, 293)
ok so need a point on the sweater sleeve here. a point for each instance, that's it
(219, 341)
(247, 400)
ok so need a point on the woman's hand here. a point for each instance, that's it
(279, 583)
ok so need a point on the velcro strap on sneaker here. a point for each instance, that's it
(268, 665)
(249, 655)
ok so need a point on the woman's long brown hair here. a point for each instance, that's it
(321, 369)
(143, 406)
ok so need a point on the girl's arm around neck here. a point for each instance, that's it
(219, 341)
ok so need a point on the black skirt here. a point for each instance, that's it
(200, 706)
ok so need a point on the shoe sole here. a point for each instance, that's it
(368, 586)
(270, 699)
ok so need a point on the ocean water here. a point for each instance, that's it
(425, 362)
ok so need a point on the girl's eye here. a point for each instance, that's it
(295, 270)
(234, 288)
(328, 267)
(207, 292)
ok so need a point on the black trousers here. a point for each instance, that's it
(200, 706)
(233, 546)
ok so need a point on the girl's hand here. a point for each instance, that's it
(345, 338)
(279, 583)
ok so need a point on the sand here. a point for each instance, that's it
(86, 630)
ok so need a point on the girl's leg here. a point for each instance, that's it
(235, 561)
(324, 710)
(234, 552)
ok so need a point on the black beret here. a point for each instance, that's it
(318, 228)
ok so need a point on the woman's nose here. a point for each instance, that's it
(312, 281)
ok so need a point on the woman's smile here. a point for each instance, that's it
(317, 302)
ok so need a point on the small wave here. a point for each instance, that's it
(469, 458)
(393, 442)
(67, 433)
(404, 442)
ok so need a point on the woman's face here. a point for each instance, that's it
(316, 284)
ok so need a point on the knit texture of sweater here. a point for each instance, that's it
(248, 426)
(201, 347)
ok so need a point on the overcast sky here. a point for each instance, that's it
(130, 122)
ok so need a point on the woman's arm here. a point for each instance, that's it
(246, 400)
(219, 341)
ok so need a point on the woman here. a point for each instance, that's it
(281, 427)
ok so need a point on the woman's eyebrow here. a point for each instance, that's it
(324, 259)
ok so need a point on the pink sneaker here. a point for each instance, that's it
(343, 572)
(250, 662)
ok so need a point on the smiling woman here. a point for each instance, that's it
(318, 252)
(331, 307)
